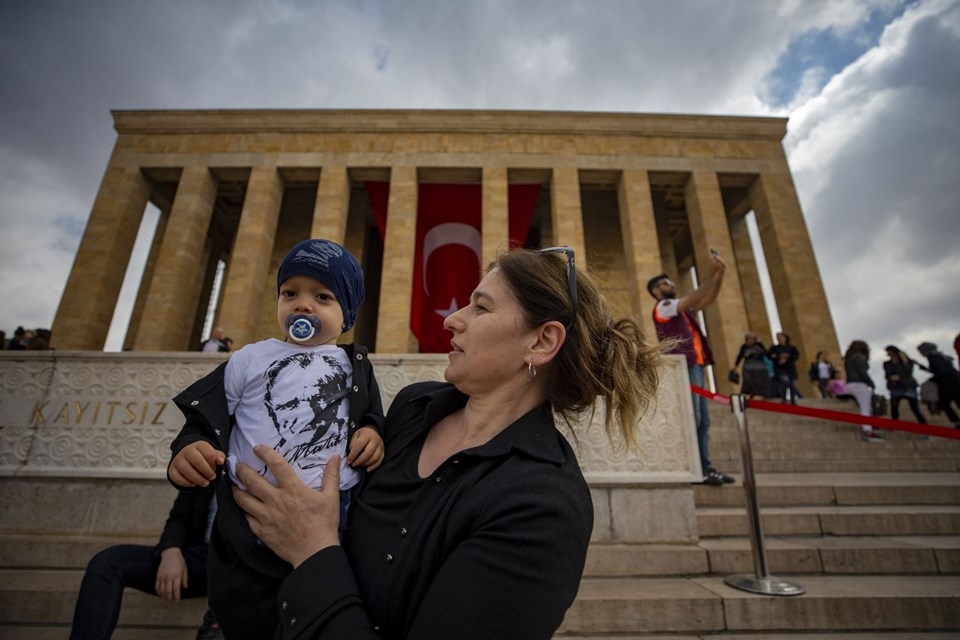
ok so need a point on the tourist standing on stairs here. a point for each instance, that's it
(785, 356)
(756, 378)
(898, 371)
(946, 378)
(674, 319)
(821, 372)
(860, 384)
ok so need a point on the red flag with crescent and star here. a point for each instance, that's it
(447, 257)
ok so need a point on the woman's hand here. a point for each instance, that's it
(292, 519)
(171, 574)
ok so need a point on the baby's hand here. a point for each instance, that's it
(365, 449)
(195, 465)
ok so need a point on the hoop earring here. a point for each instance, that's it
(531, 370)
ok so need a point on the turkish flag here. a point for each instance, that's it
(446, 266)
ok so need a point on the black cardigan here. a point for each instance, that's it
(186, 524)
(204, 405)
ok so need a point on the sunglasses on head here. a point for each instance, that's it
(571, 280)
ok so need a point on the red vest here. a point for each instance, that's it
(684, 328)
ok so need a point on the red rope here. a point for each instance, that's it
(838, 416)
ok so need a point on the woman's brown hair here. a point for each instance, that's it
(601, 356)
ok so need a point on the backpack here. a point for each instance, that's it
(814, 372)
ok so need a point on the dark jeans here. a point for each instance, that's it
(822, 385)
(784, 383)
(914, 407)
(126, 565)
(944, 404)
(701, 416)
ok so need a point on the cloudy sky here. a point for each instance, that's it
(871, 88)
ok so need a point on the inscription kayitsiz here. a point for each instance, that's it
(98, 412)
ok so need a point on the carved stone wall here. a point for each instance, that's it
(112, 415)
(85, 437)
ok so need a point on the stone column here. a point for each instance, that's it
(330, 214)
(393, 319)
(245, 292)
(726, 318)
(211, 255)
(749, 274)
(149, 268)
(495, 220)
(566, 212)
(90, 296)
(641, 247)
(794, 275)
(668, 252)
(332, 205)
(684, 280)
(174, 292)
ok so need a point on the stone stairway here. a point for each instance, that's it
(870, 530)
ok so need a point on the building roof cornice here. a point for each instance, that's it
(446, 121)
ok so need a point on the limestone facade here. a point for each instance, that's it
(634, 194)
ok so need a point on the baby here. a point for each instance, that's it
(307, 397)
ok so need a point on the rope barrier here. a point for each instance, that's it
(836, 416)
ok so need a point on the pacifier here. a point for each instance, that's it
(302, 327)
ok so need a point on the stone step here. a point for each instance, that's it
(788, 489)
(907, 446)
(53, 551)
(834, 555)
(49, 597)
(887, 450)
(833, 520)
(613, 606)
(790, 555)
(843, 554)
(784, 443)
(707, 605)
(840, 466)
(724, 419)
(787, 436)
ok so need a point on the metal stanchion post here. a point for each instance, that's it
(762, 582)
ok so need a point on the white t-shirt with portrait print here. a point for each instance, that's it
(292, 398)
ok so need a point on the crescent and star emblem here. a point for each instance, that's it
(444, 234)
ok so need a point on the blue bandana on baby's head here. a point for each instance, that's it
(332, 265)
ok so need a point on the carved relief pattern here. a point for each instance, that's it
(25, 377)
(394, 373)
(91, 414)
(664, 444)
